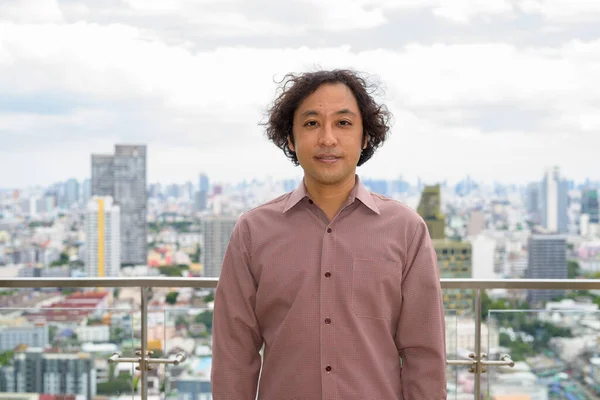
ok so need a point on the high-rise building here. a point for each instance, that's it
(61, 195)
(203, 183)
(455, 261)
(72, 192)
(476, 223)
(201, 201)
(454, 258)
(201, 196)
(554, 202)
(86, 191)
(217, 231)
(45, 204)
(123, 177)
(189, 191)
(484, 251)
(430, 209)
(155, 190)
(174, 190)
(465, 187)
(590, 205)
(547, 260)
(23, 333)
(29, 206)
(36, 370)
(132, 197)
(533, 202)
(103, 175)
(103, 244)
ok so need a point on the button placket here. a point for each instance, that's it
(328, 299)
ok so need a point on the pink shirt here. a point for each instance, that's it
(346, 309)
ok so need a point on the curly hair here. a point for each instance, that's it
(297, 87)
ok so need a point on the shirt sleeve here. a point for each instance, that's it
(236, 361)
(421, 334)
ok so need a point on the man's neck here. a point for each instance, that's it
(330, 198)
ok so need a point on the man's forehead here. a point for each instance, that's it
(336, 100)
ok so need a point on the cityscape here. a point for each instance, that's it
(57, 342)
(132, 140)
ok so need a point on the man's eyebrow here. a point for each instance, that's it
(343, 111)
(310, 113)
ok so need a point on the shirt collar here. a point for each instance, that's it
(296, 196)
(359, 191)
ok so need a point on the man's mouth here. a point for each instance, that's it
(328, 158)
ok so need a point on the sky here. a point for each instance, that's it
(496, 89)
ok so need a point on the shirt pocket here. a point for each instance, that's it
(375, 288)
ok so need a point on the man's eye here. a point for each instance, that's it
(345, 122)
(311, 123)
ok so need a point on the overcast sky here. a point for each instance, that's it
(498, 89)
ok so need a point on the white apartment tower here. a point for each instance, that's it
(103, 237)
(554, 202)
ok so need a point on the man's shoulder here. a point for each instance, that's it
(391, 208)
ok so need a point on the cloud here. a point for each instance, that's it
(457, 11)
(562, 11)
(71, 86)
(31, 11)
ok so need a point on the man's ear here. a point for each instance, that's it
(290, 141)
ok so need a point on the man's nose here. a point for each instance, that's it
(327, 136)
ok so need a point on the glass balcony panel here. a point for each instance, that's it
(452, 371)
(555, 351)
(187, 328)
(61, 345)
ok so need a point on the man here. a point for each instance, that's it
(338, 284)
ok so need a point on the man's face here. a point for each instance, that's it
(328, 135)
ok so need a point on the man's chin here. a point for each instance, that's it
(328, 179)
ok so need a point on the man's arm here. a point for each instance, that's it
(236, 334)
(421, 335)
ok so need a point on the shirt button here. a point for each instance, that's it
(327, 274)
(328, 230)
(310, 201)
(327, 321)
(328, 368)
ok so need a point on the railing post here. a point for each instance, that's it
(144, 348)
(478, 354)
(143, 355)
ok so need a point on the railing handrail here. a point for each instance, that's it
(478, 363)
(446, 283)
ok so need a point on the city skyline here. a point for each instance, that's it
(498, 89)
(413, 181)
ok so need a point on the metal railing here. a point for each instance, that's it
(477, 364)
